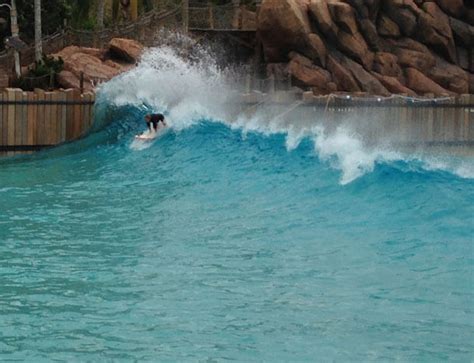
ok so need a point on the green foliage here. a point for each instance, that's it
(43, 75)
(47, 66)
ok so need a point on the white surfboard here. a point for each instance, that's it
(151, 135)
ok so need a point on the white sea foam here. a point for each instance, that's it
(191, 87)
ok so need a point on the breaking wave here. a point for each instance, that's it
(188, 85)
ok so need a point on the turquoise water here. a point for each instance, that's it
(228, 243)
(211, 245)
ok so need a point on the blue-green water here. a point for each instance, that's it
(216, 244)
(208, 245)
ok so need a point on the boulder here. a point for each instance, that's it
(324, 89)
(386, 27)
(344, 16)
(471, 83)
(452, 7)
(120, 66)
(319, 10)
(316, 49)
(403, 13)
(91, 66)
(128, 50)
(463, 58)
(434, 29)
(449, 76)
(342, 77)
(421, 84)
(368, 30)
(70, 50)
(463, 32)
(286, 19)
(393, 85)
(411, 53)
(366, 81)
(355, 46)
(307, 74)
(387, 65)
(68, 79)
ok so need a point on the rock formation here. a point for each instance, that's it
(411, 47)
(97, 65)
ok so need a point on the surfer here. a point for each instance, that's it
(154, 119)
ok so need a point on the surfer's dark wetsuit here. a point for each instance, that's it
(154, 119)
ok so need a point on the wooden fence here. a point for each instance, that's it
(32, 120)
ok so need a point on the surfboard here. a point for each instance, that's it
(146, 137)
(150, 136)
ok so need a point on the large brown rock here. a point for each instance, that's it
(127, 49)
(319, 10)
(91, 66)
(403, 13)
(366, 81)
(369, 31)
(283, 27)
(463, 32)
(393, 85)
(387, 65)
(307, 74)
(355, 46)
(434, 29)
(68, 79)
(411, 53)
(452, 7)
(344, 16)
(386, 27)
(463, 58)
(365, 9)
(72, 49)
(342, 77)
(421, 84)
(449, 76)
(317, 49)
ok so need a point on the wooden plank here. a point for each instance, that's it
(4, 136)
(54, 119)
(83, 126)
(2, 131)
(62, 117)
(470, 119)
(24, 136)
(18, 117)
(11, 117)
(76, 115)
(48, 119)
(69, 115)
(32, 119)
(40, 128)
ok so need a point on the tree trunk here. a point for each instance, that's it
(15, 31)
(100, 14)
(38, 42)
